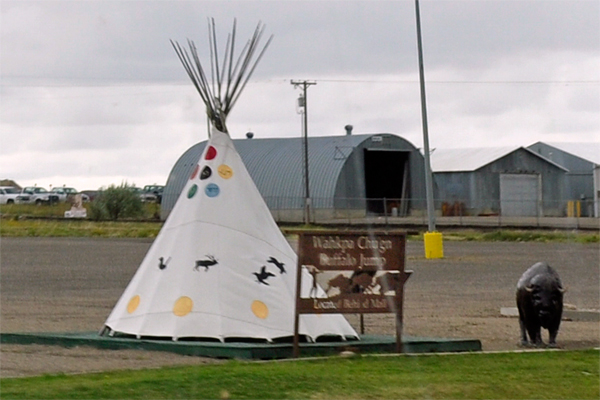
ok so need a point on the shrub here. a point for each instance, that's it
(117, 202)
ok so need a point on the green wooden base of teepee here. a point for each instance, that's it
(248, 351)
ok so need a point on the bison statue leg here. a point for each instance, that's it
(529, 326)
(535, 334)
(524, 341)
(553, 332)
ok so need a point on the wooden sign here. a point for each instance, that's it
(351, 272)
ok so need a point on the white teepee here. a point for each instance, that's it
(220, 267)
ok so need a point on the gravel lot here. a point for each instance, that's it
(72, 284)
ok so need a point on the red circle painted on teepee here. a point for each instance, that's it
(195, 172)
(210, 153)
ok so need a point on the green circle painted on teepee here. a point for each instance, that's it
(192, 191)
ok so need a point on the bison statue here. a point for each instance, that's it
(540, 304)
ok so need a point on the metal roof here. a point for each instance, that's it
(466, 159)
(276, 164)
(279, 163)
(472, 158)
(587, 151)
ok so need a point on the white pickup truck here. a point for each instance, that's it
(68, 193)
(8, 194)
(36, 195)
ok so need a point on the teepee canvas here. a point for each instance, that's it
(220, 267)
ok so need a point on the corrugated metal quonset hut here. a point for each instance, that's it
(357, 175)
(583, 179)
(498, 180)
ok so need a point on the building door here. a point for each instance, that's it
(520, 195)
(385, 179)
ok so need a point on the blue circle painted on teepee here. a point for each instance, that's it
(192, 191)
(212, 190)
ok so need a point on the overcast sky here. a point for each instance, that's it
(93, 94)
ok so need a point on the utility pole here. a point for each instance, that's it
(428, 180)
(433, 240)
(303, 105)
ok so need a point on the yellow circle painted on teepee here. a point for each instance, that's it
(133, 304)
(225, 171)
(260, 309)
(183, 306)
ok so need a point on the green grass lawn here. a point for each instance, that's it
(512, 235)
(539, 375)
(58, 227)
(78, 228)
(47, 221)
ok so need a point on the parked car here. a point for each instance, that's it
(89, 194)
(150, 193)
(36, 195)
(153, 190)
(8, 194)
(64, 193)
(145, 197)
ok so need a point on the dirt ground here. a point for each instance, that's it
(72, 284)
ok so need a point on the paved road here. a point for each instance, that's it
(82, 278)
(72, 284)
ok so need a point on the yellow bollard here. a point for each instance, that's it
(434, 247)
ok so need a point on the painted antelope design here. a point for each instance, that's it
(209, 262)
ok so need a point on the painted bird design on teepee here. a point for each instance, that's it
(208, 219)
(278, 264)
(162, 264)
(263, 275)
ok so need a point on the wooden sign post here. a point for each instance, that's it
(352, 272)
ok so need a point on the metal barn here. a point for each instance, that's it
(358, 175)
(582, 160)
(498, 181)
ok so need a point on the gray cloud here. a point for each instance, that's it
(123, 41)
(93, 90)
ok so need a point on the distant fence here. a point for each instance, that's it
(532, 213)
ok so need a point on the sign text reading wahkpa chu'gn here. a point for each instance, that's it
(351, 251)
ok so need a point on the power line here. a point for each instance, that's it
(282, 81)
(484, 82)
